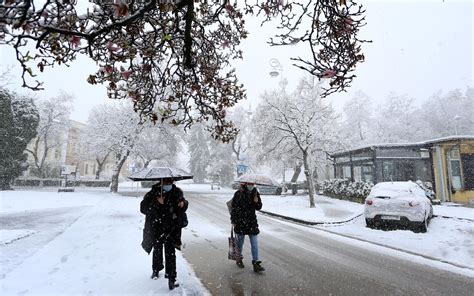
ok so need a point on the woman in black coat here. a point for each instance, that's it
(165, 214)
(245, 202)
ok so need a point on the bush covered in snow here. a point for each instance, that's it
(36, 182)
(345, 189)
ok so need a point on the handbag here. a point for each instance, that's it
(234, 253)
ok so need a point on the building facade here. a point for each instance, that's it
(70, 151)
(447, 163)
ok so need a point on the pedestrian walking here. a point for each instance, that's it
(245, 202)
(165, 209)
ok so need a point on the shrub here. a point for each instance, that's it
(344, 189)
(58, 182)
(94, 183)
(27, 182)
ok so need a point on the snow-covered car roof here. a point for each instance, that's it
(394, 189)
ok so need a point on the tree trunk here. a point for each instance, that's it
(309, 178)
(100, 165)
(118, 167)
(147, 162)
(296, 173)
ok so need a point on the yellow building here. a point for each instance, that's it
(453, 168)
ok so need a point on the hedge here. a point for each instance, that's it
(344, 189)
(58, 183)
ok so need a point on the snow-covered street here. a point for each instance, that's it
(95, 253)
(88, 242)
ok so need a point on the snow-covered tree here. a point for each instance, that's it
(397, 120)
(116, 128)
(18, 122)
(188, 46)
(300, 123)
(222, 161)
(159, 143)
(51, 134)
(241, 117)
(358, 119)
(448, 114)
(198, 147)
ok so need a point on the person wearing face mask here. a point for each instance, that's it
(165, 209)
(245, 202)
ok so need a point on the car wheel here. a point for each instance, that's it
(278, 191)
(421, 227)
(369, 223)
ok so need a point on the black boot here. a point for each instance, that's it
(257, 267)
(172, 283)
(155, 275)
(240, 263)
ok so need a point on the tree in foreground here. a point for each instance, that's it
(173, 59)
(18, 121)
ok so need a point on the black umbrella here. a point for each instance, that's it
(159, 174)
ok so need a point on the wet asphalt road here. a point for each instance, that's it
(302, 261)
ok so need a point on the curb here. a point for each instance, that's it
(449, 217)
(309, 223)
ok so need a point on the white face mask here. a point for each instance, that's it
(250, 187)
(167, 188)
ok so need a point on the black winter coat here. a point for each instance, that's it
(162, 221)
(242, 213)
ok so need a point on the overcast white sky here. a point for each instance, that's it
(419, 47)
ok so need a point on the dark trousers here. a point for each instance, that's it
(170, 258)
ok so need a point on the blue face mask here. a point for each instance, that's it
(167, 188)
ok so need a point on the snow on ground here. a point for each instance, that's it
(98, 254)
(297, 206)
(454, 210)
(96, 250)
(447, 239)
(9, 236)
(21, 201)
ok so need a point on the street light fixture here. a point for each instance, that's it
(276, 67)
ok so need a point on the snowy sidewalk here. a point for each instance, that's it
(99, 254)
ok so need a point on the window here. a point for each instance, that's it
(454, 164)
(57, 153)
(86, 171)
(468, 170)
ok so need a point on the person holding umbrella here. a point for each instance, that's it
(164, 207)
(245, 202)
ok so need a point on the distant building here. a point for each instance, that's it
(70, 152)
(448, 163)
